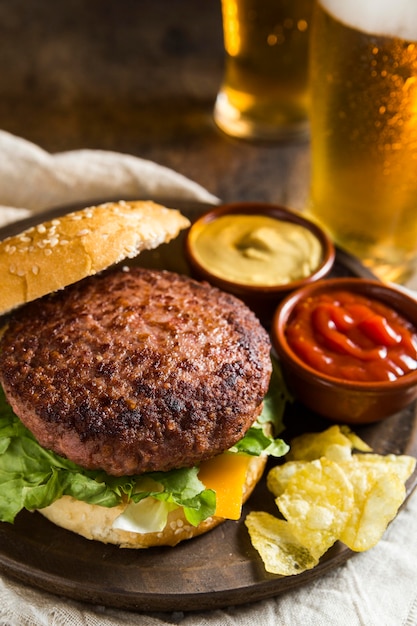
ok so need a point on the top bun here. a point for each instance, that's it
(64, 250)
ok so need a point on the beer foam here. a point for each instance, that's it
(393, 18)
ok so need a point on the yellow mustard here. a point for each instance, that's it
(256, 249)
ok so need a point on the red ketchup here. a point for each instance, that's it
(346, 335)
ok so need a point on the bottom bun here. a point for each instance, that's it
(95, 522)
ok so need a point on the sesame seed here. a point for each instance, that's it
(35, 270)
(25, 239)
(10, 249)
(48, 251)
(41, 228)
(85, 231)
(56, 222)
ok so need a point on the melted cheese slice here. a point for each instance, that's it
(226, 475)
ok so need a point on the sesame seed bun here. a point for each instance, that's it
(54, 254)
(95, 522)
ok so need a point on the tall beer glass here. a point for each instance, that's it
(363, 59)
(264, 94)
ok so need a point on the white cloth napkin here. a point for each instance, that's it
(31, 179)
(376, 588)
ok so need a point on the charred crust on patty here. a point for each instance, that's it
(136, 371)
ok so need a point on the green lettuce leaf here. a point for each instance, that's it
(256, 441)
(183, 488)
(275, 400)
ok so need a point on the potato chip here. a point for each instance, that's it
(357, 442)
(338, 453)
(278, 477)
(280, 551)
(336, 443)
(378, 495)
(400, 464)
(317, 503)
(332, 487)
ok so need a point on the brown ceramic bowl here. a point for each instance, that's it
(262, 298)
(338, 399)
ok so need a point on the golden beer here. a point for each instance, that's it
(364, 135)
(264, 94)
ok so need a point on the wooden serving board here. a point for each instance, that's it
(215, 570)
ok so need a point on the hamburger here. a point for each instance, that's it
(133, 405)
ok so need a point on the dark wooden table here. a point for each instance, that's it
(136, 76)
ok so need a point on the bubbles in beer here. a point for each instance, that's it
(364, 140)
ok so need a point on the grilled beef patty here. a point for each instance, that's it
(135, 371)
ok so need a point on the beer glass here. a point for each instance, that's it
(264, 94)
(363, 118)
